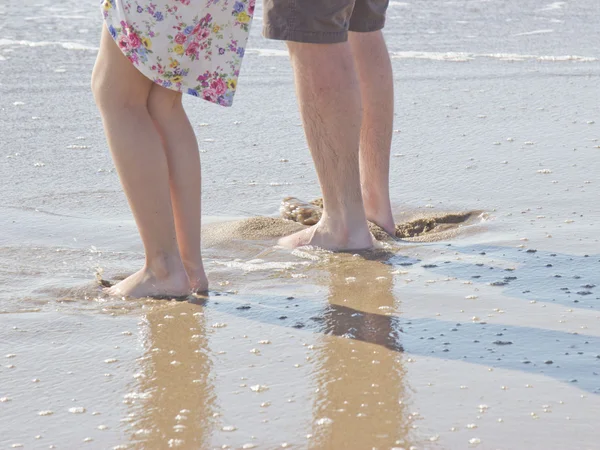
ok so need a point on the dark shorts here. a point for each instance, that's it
(321, 21)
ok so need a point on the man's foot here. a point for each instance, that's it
(329, 237)
(146, 284)
(379, 212)
(305, 213)
(384, 221)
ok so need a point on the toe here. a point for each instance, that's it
(112, 291)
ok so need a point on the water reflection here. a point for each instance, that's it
(360, 396)
(174, 401)
(361, 391)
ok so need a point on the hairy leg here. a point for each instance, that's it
(372, 62)
(329, 98)
(121, 93)
(183, 158)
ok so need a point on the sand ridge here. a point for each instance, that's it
(420, 226)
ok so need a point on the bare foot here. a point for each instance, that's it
(294, 209)
(326, 236)
(197, 276)
(380, 213)
(198, 281)
(384, 221)
(146, 284)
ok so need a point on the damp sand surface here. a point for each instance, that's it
(478, 328)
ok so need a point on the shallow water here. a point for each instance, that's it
(487, 338)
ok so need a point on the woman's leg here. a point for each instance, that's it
(121, 93)
(183, 159)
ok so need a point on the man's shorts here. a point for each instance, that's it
(321, 21)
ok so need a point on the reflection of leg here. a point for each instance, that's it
(121, 93)
(377, 88)
(360, 377)
(329, 98)
(183, 160)
(176, 401)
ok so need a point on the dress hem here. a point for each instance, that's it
(152, 78)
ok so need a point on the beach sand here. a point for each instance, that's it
(485, 335)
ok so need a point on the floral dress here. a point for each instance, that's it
(192, 46)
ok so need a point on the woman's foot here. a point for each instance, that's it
(198, 281)
(157, 279)
(329, 236)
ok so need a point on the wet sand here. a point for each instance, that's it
(481, 333)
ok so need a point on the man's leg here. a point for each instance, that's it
(330, 103)
(372, 62)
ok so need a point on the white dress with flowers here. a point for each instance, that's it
(192, 46)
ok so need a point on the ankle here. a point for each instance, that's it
(341, 234)
(193, 265)
(345, 226)
(344, 213)
(164, 265)
(197, 277)
(377, 212)
(377, 202)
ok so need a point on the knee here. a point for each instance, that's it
(106, 95)
(112, 94)
(163, 103)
